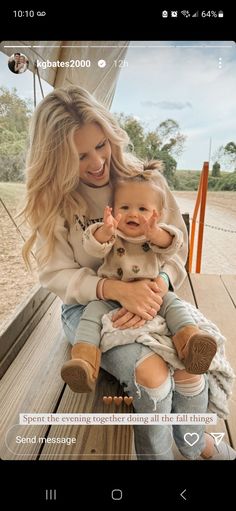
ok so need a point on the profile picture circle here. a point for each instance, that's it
(18, 63)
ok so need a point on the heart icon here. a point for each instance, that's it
(118, 400)
(191, 438)
(107, 400)
(128, 400)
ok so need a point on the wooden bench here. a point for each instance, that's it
(31, 383)
(32, 350)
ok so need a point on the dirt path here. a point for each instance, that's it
(15, 280)
(219, 246)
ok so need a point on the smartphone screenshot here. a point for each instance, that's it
(118, 225)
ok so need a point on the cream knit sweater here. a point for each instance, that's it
(72, 274)
(127, 258)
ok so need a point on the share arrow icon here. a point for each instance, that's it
(218, 437)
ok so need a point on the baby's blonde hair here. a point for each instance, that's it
(148, 176)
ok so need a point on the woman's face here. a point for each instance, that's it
(95, 155)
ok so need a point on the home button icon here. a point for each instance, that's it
(116, 494)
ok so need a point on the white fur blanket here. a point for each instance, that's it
(156, 336)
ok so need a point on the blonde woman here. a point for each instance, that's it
(76, 148)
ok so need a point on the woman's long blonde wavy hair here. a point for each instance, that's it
(52, 165)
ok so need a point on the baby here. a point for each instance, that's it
(135, 245)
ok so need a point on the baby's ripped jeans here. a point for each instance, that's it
(154, 442)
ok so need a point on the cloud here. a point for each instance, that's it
(167, 105)
(187, 84)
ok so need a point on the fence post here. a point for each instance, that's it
(200, 202)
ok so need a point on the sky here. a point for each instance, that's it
(193, 83)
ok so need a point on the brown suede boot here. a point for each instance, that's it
(195, 348)
(81, 372)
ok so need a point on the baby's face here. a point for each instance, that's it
(134, 201)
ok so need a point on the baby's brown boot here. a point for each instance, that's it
(81, 372)
(195, 348)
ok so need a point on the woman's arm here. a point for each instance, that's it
(62, 274)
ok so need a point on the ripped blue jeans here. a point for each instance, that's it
(152, 441)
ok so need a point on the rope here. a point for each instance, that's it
(34, 88)
(40, 83)
(215, 227)
(14, 223)
(34, 83)
(12, 219)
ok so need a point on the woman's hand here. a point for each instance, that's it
(162, 286)
(124, 319)
(142, 298)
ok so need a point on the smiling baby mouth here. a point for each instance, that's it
(133, 224)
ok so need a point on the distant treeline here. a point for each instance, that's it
(14, 122)
(165, 143)
(189, 180)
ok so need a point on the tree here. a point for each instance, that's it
(227, 155)
(169, 167)
(14, 120)
(230, 152)
(171, 138)
(14, 111)
(135, 131)
(216, 169)
(160, 144)
(152, 146)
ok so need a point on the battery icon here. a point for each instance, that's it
(220, 14)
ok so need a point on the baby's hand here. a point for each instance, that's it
(110, 223)
(104, 233)
(150, 227)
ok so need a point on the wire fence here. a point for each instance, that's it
(216, 227)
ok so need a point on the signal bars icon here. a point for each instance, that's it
(195, 15)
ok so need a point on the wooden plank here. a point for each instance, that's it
(32, 384)
(23, 337)
(25, 309)
(215, 303)
(230, 284)
(20, 325)
(92, 442)
(185, 291)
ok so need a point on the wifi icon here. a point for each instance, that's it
(185, 13)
